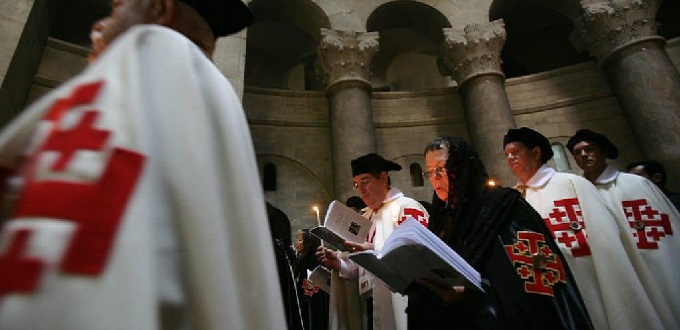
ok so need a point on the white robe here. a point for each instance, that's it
(389, 309)
(645, 212)
(595, 250)
(147, 150)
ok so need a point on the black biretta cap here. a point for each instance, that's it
(601, 140)
(372, 163)
(224, 16)
(531, 139)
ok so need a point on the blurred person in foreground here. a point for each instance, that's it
(527, 284)
(138, 201)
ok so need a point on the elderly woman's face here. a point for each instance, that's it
(435, 162)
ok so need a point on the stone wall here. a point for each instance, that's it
(559, 102)
(290, 129)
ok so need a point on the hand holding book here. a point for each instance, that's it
(411, 252)
(342, 224)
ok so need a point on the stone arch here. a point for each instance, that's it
(281, 44)
(538, 35)
(298, 188)
(410, 38)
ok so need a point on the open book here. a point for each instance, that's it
(342, 224)
(412, 251)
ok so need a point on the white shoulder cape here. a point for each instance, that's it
(192, 236)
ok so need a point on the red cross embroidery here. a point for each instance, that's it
(648, 225)
(82, 95)
(416, 214)
(84, 136)
(536, 264)
(309, 288)
(18, 272)
(567, 227)
(95, 207)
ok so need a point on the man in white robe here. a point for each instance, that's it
(137, 201)
(386, 207)
(587, 233)
(644, 212)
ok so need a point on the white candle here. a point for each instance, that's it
(318, 220)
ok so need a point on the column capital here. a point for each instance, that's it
(345, 57)
(606, 27)
(472, 51)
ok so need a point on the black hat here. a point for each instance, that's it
(601, 140)
(224, 16)
(531, 139)
(373, 164)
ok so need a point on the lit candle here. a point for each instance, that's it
(318, 220)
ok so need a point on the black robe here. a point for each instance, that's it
(498, 237)
(314, 305)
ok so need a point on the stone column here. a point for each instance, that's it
(471, 56)
(24, 27)
(230, 59)
(343, 61)
(623, 38)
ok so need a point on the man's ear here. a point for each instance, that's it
(537, 152)
(165, 12)
(656, 178)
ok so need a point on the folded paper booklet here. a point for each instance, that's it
(412, 251)
(320, 277)
(342, 224)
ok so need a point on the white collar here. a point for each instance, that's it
(608, 175)
(541, 177)
(393, 194)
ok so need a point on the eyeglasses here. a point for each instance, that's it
(437, 171)
(362, 183)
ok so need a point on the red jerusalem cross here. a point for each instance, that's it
(18, 272)
(95, 207)
(566, 225)
(84, 136)
(536, 263)
(416, 214)
(648, 225)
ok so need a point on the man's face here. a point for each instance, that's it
(589, 156)
(372, 190)
(523, 162)
(435, 170)
(124, 15)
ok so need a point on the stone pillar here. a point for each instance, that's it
(230, 59)
(24, 27)
(623, 38)
(343, 61)
(471, 56)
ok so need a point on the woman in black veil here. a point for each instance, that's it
(527, 284)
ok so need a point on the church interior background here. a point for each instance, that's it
(325, 81)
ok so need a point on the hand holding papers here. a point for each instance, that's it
(342, 224)
(412, 251)
(321, 277)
